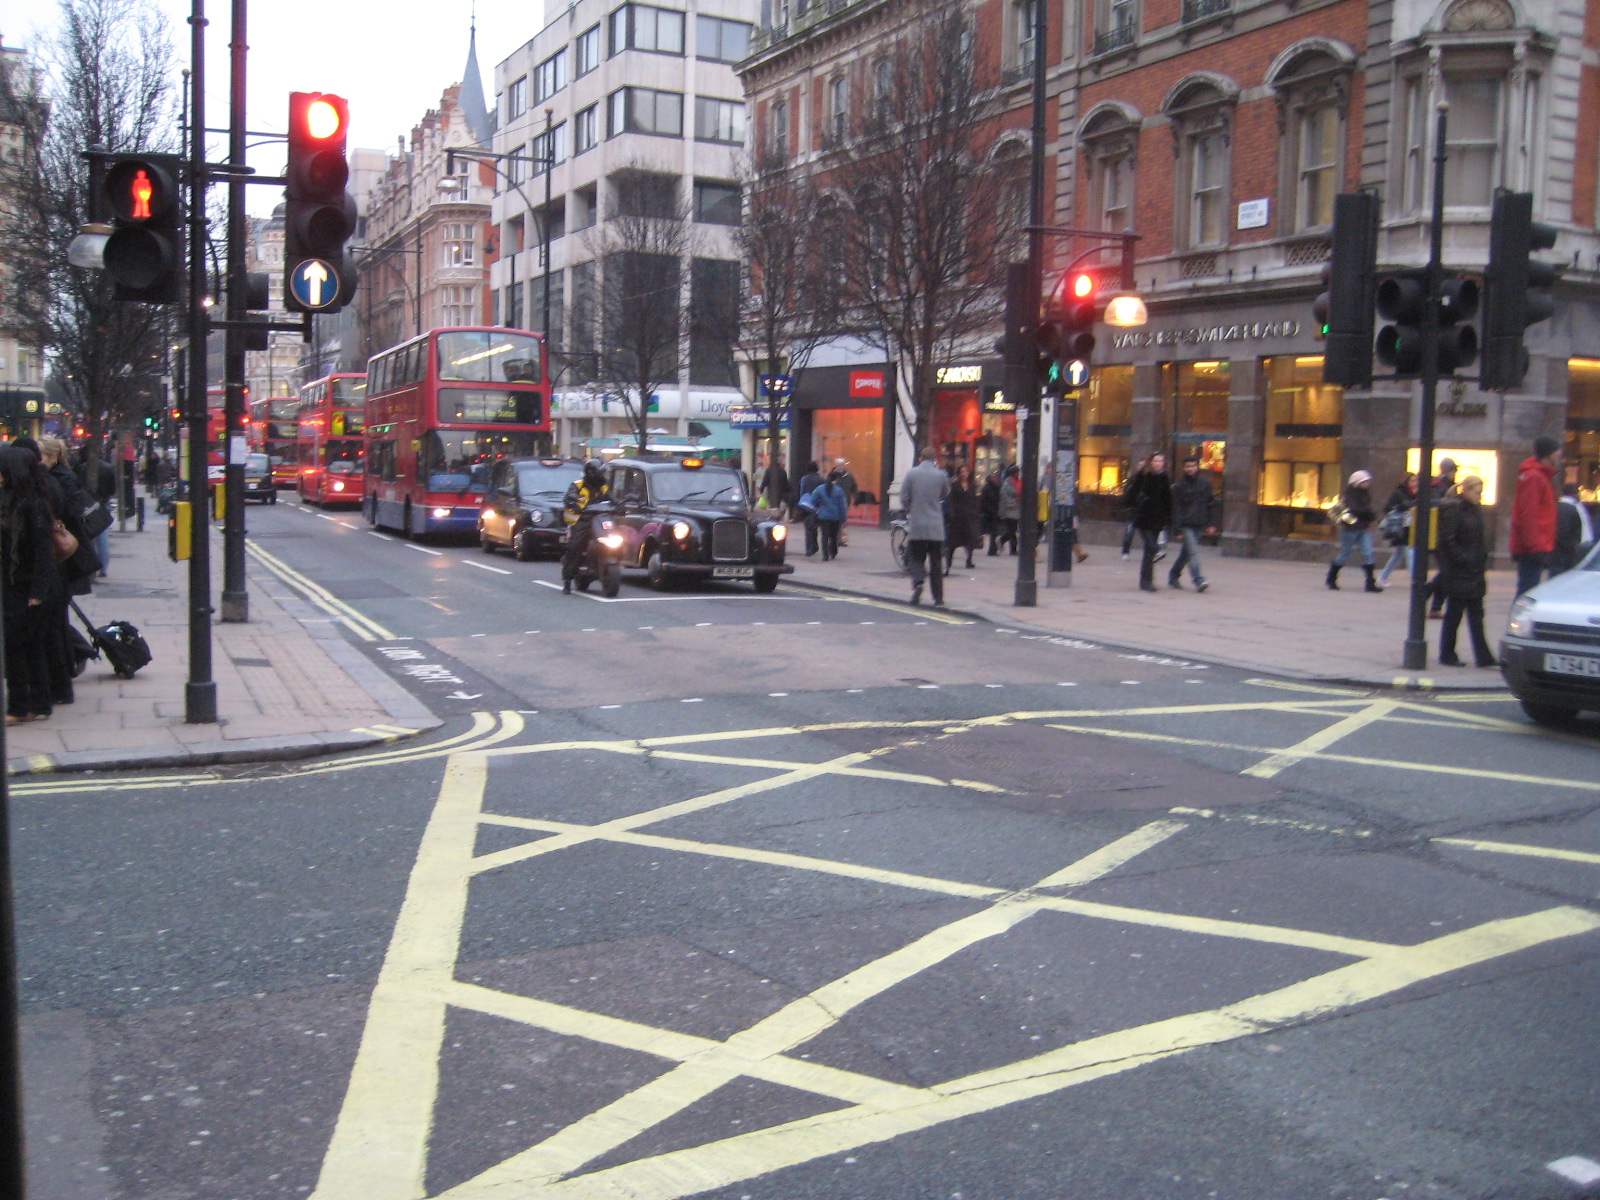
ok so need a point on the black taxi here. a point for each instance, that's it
(686, 518)
(522, 508)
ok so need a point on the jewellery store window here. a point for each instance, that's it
(1195, 405)
(1583, 428)
(1105, 433)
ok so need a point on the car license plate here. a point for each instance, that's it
(1572, 664)
(733, 572)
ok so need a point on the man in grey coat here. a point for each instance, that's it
(922, 495)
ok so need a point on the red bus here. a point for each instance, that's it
(272, 432)
(443, 407)
(333, 449)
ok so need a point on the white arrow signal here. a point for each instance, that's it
(316, 277)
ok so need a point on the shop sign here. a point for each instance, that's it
(1251, 332)
(998, 403)
(748, 416)
(866, 385)
(958, 376)
(1462, 408)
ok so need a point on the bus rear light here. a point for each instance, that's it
(441, 513)
(338, 485)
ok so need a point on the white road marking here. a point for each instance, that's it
(777, 693)
(383, 536)
(486, 567)
(326, 517)
(927, 687)
(692, 700)
(423, 549)
(1581, 1171)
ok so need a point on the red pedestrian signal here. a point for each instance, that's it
(319, 215)
(144, 253)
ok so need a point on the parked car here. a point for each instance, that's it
(522, 508)
(258, 481)
(685, 518)
(1550, 655)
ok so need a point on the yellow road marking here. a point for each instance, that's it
(1522, 848)
(379, 1146)
(40, 763)
(358, 622)
(1320, 689)
(1321, 740)
(706, 1167)
(929, 614)
(1108, 858)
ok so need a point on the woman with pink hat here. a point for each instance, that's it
(1353, 517)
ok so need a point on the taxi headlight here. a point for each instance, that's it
(338, 485)
(780, 532)
(680, 530)
(611, 541)
(536, 516)
(441, 513)
(1521, 622)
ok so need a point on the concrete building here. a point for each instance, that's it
(625, 101)
(23, 404)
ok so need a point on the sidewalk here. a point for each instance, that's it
(1259, 614)
(288, 685)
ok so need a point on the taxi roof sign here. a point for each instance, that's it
(693, 464)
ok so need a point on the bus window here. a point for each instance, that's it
(488, 356)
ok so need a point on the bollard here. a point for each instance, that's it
(139, 513)
(180, 531)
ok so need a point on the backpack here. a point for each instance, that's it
(1395, 524)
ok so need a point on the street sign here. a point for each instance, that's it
(1075, 372)
(315, 283)
(777, 385)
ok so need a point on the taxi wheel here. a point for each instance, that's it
(656, 572)
(273, 499)
(524, 544)
(483, 540)
(765, 583)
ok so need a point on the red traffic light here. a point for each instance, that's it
(140, 191)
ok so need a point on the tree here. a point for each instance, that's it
(635, 313)
(108, 71)
(792, 304)
(928, 214)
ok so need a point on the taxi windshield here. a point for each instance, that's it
(536, 478)
(708, 485)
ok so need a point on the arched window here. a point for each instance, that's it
(1110, 142)
(1312, 84)
(1201, 111)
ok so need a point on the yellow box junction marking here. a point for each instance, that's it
(1579, 856)
(379, 1148)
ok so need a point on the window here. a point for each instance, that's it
(1022, 13)
(839, 107)
(643, 110)
(517, 164)
(716, 203)
(457, 305)
(1313, 97)
(587, 51)
(713, 322)
(1208, 160)
(458, 244)
(514, 305)
(644, 194)
(517, 99)
(1110, 142)
(536, 314)
(1414, 145)
(779, 141)
(550, 76)
(1116, 24)
(1105, 438)
(1201, 115)
(586, 129)
(516, 236)
(1320, 143)
(1473, 136)
(722, 41)
(549, 148)
(1302, 447)
(640, 27)
(718, 120)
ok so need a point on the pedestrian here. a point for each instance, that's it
(989, 510)
(1130, 529)
(841, 472)
(831, 505)
(1463, 563)
(963, 525)
(1443, 485)
(1010, 510)
(1194, 511)
(809, 482)
(1399, 514)
(775, 486)
(29, 582)
(1533, 512)
(1574, 531)
(922, 493)
(76, 572)
(1354, 515)
(101, 483)
(1150, 501)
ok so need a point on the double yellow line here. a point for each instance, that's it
(364, 627)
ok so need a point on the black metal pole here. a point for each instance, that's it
(13, 1160)
(549, 170)
(1415, 654)
(235, 596)
(200, 694)
(1027, 589)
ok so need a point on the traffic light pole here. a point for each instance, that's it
(235, 596)
(1415, 655)
(1027, 586)
(200, 694)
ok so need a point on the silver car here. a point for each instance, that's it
(1550, 655)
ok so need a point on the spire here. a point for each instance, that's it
(471, 100)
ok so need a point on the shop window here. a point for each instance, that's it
(1302, 447)
(1583, 427)
(1105, 434)
(1195, 400)
(1485, 464)
(856, 436)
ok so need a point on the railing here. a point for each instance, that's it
(1115, 39)
(1199, 10)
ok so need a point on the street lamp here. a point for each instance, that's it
(87, 250)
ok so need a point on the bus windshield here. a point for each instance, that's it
(349, 393)
(488, 356)
(458, 460)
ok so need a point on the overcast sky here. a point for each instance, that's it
(390, 60)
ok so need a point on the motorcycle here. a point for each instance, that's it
(603, 561)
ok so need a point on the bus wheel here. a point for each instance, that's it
(405, 519)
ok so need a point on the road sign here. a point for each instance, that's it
(777, 385)
(1075, 372)
(315, 283)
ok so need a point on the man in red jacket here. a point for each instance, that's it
(1533, 512)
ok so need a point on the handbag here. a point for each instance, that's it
(62, 544)
(94, 518)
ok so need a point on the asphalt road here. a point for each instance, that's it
(800, 897)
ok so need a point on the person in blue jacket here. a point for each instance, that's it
(831, 504)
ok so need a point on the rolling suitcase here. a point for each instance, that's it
(121, 643)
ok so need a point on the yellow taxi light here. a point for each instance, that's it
(693, 464)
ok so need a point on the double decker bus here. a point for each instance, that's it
(272, 432)
(333, 447)
(441, 409)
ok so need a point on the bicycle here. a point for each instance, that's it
(900, 541)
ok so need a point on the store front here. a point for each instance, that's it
(844, 416)
(1583, 427)
(1301, 448)
(972, 424)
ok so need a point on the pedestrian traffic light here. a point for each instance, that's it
(319, 215)
(1517, 288)
(1344, 309)
(1403, 298)
(145, 250)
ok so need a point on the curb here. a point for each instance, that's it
(206, 754)
(1394, 680)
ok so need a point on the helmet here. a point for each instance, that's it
(594, 464)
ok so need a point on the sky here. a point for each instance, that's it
(390, 60)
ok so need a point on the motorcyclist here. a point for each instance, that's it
(582, 495)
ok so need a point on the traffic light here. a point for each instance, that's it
(1517, 289)
(319, 215)
(1066, 338)
(144, 253)
(1402, 299)
(1344, 309)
